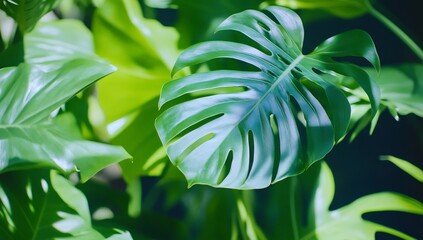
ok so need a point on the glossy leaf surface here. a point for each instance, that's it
(197, 20)
(43, 205)
(28, 137)
(347, 222)
(51, 44)
(26, 12)
(240, 129)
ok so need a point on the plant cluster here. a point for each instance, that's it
(109, 109)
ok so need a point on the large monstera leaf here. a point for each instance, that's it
(240, 128)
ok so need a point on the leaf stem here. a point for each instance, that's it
(293, 213)
(396, 30)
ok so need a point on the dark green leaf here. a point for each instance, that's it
(247, 134)
(27, 12)
(39, 205)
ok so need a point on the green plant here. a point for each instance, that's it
(85, 150)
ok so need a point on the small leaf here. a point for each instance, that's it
(42, 205)
(27, 12)
(401, 88)
(247, 133)
(406, 166)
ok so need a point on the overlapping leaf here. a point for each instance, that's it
(28, 137)
(27, 12)
(43, 205)
(401, 88)
(29, 94)
(246, 134)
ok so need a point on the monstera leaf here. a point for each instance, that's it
(44, 205)
(347, 221)
(27, 12)
(240, 128)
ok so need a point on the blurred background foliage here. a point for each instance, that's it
(145, 194)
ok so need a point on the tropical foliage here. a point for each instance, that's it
(210, 119)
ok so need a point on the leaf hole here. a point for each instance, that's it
(263, 26)
(282, 59)
(271, 74)
(250, 152)
(276, 140)
(317, 71)
(195, 126)
(226, 167)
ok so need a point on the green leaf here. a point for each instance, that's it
(339, 8)
(27, 12)
(347, 222)
(246, 134)
(401, 88)
(52, 43)
(29, 138)
(143, 51)
(43, 205)
(406, 166)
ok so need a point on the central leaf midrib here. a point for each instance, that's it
(291, 66)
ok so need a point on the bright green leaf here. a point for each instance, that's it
(406, 166)
(247, 134)
(28, 137)
(52, 43)
(142, 49)
(140, 139)
(347, 222)
(340, 8)
(27, 12)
